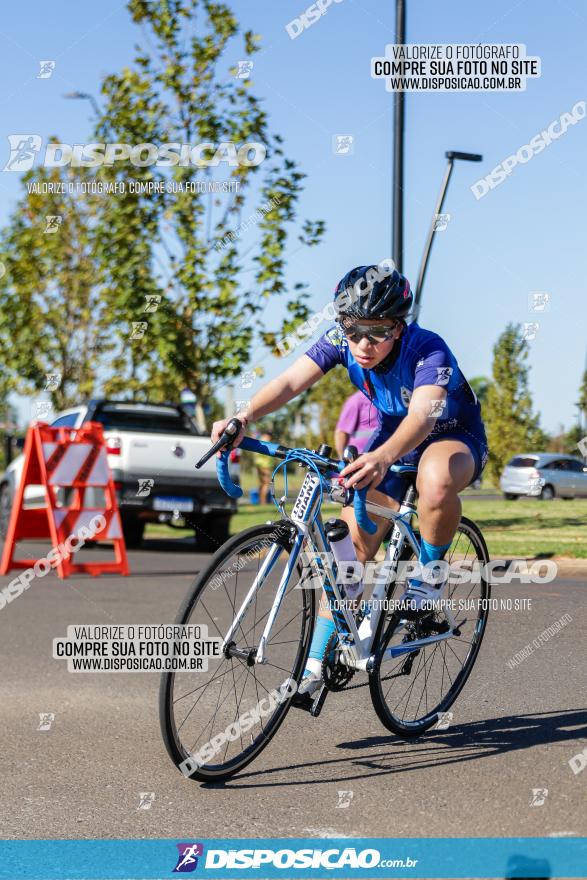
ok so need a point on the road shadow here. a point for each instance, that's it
(186, 544)
(473, 741)
(95, 551)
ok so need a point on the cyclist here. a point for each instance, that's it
(427, 415)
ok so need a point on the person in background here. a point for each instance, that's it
(263, 465)
(356, 423)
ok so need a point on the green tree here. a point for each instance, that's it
(315, 412)
(512, 427)
(577, 433)
(193, 248)
(52, 318)
(480, 385)
(8, 419)
(326, 399)
(582, 402)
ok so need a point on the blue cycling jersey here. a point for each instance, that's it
(424, 358)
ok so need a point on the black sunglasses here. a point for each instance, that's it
(375, 333)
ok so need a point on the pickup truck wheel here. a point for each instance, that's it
(211, 533)
(133, 530)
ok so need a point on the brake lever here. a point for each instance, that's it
(231, 431)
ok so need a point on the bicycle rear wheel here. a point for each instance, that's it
(410, 691)
(221, 719)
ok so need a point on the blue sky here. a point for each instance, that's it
(526, 235)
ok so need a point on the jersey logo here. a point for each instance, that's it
(443, 375)
(336, 337)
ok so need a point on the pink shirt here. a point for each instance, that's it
(358, 418)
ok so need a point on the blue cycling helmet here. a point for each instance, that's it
(373, 292)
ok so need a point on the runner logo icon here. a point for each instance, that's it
(187, 860)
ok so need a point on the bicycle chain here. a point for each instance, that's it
(346, 687)
(326, 669)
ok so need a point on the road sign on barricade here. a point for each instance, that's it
(73, 460)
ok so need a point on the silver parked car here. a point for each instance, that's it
(544, 475)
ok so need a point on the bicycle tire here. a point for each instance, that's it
(387, 628)
(175, 748)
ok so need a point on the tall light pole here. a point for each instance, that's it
(398, 149)
(451, 155)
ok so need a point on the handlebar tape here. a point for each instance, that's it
(360, 506)
(235, 491)
(224, 478)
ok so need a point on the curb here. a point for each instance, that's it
(570, 567)
(567, 566)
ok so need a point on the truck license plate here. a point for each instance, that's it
(184, 505)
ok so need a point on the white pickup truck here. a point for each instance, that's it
(152, 450)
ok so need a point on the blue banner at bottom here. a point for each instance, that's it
(513, 857)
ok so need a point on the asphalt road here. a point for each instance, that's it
(513, 731)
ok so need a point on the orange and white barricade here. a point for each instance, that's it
(73, 459)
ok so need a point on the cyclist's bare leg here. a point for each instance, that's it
(445, 469)
(366, 546)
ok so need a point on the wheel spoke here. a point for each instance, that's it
(445, 666)
(206, 684)
(194, 711)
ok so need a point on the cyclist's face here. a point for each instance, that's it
(367, 353)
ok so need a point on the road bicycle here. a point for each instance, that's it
(258, 598)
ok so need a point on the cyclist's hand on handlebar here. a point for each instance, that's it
(367, 470)
(218, 428)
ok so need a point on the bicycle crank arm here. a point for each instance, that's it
(319, 701)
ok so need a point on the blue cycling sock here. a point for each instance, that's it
(323, 629)
(429, 553)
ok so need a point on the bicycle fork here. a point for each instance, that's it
(264, 571)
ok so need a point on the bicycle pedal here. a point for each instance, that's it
(309, 703)
(303, 702)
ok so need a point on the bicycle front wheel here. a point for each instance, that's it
(410, 691)
(215, 722)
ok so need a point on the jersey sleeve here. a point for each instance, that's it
(435, 364)
(328, 351)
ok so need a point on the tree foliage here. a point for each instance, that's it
(214, 282)
(311, 418)
(52, 318)
(578, 432)
(480, 385)
(140, 294)
(512, 427)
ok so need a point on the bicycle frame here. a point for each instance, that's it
(356, 643)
